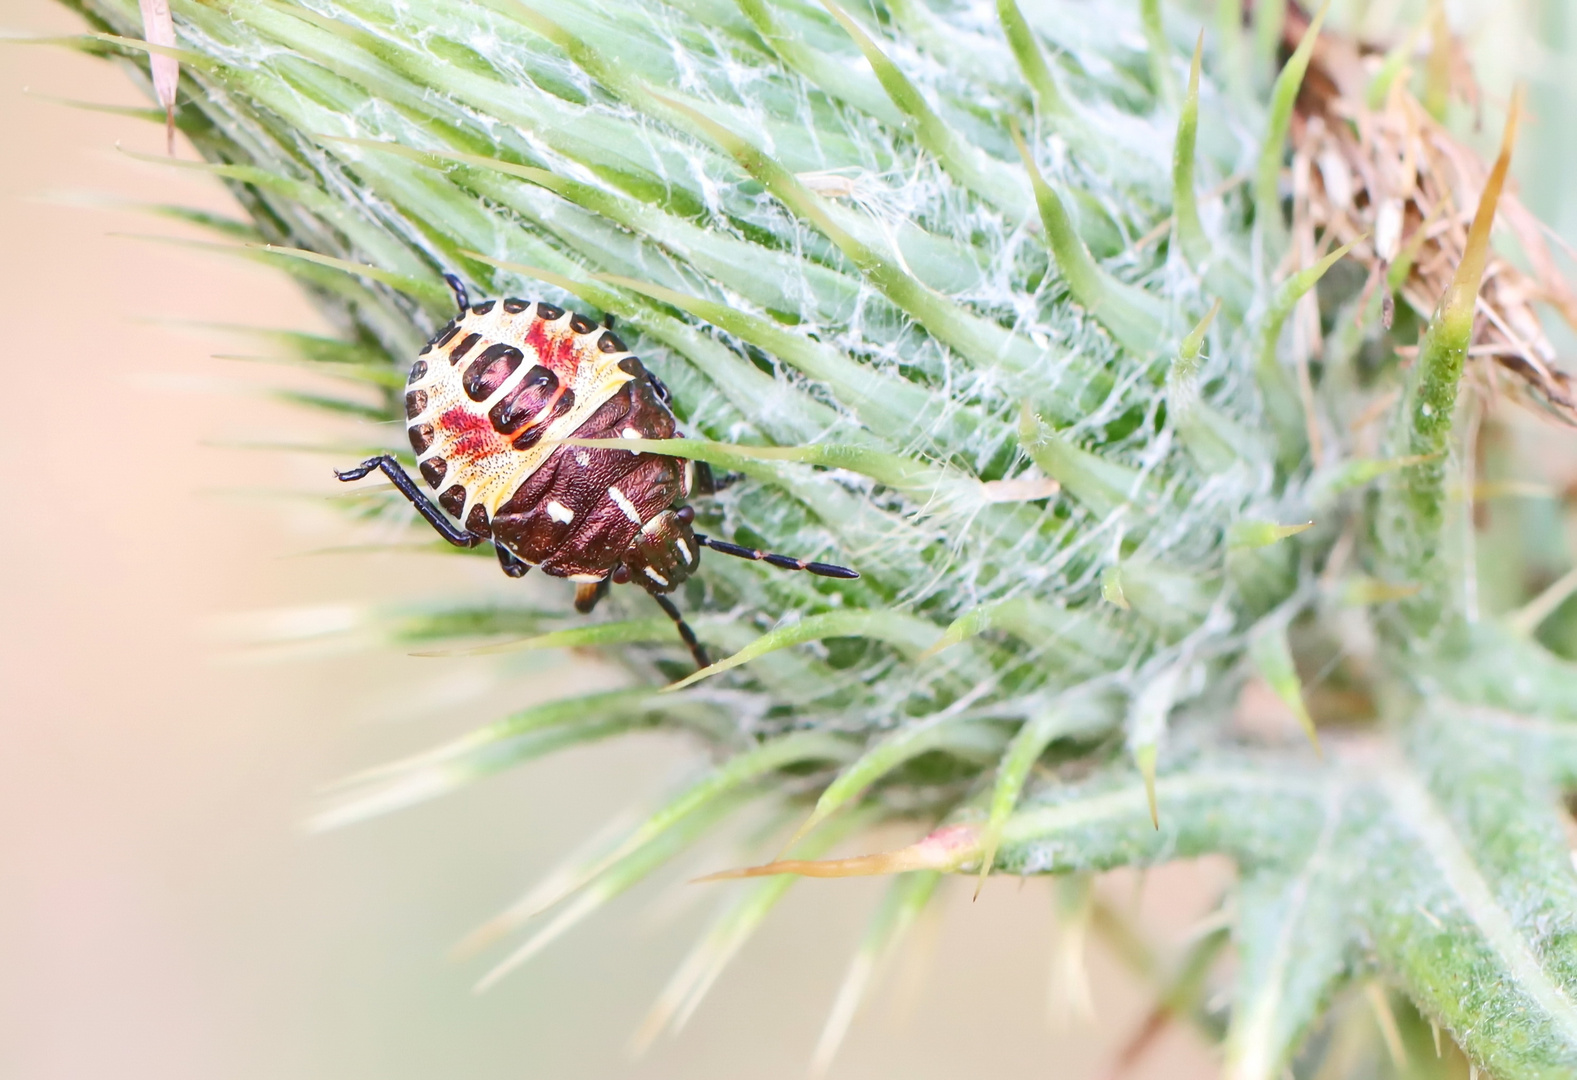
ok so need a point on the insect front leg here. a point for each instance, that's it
(406, 486)
(507, 559)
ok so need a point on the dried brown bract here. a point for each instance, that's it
(1394, 180)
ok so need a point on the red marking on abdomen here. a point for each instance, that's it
(555, 351)
(470, 435)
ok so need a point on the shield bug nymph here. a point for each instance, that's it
(488, 401)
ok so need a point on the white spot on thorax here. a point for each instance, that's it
(559, 512)
(582, 458)
(631, 433)
(655, 576)
(624, 503)
(684, 547)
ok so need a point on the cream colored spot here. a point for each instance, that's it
(624, 504)
(631, 433)
(582, 458)
(586, 577)
(655, 576)
(684, 547)
(559, 512)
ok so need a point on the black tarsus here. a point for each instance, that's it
(607, 320)
(697, 650)
(512, 565)
(457, 287)
(783, 562)
(401, 480)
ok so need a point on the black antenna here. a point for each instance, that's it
(782, 562)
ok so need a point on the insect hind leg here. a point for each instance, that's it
(687, 635)
(457, 287)
(406, 486)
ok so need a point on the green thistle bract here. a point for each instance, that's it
(912, 270)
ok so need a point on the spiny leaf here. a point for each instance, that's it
(1032, 62)
(694, 802)
(1412, 510)
(1102, 486)
(1059, 721)
(526, 735)
(1270, 652)
(945, 849)
(1130, 314)
(614, 879)
(1159, 51)
(901, 631)
(905, 898)
(1185, 206)
(432, 293)
(974, 339)
(623, 632)
(1357, 472)
(1293, 954)
(886, 754)
(966, 163)
(1281, 397)
(895, 470)
(1267, 199)
(1075, 637)
(835, 79)
(886, 405)
(1256, 534)
(728, 933)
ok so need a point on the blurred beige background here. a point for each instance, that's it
(162, 914)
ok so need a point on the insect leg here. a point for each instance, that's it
(457, 287)
(513, 566)
(587, 594)
(782, 562)
(607, 320)
(709, 483)
(686, 634)
(407, 487)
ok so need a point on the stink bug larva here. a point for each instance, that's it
(488, 400)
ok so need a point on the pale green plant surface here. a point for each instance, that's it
(886, 257)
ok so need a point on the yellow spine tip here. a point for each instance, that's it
(1144, 758)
